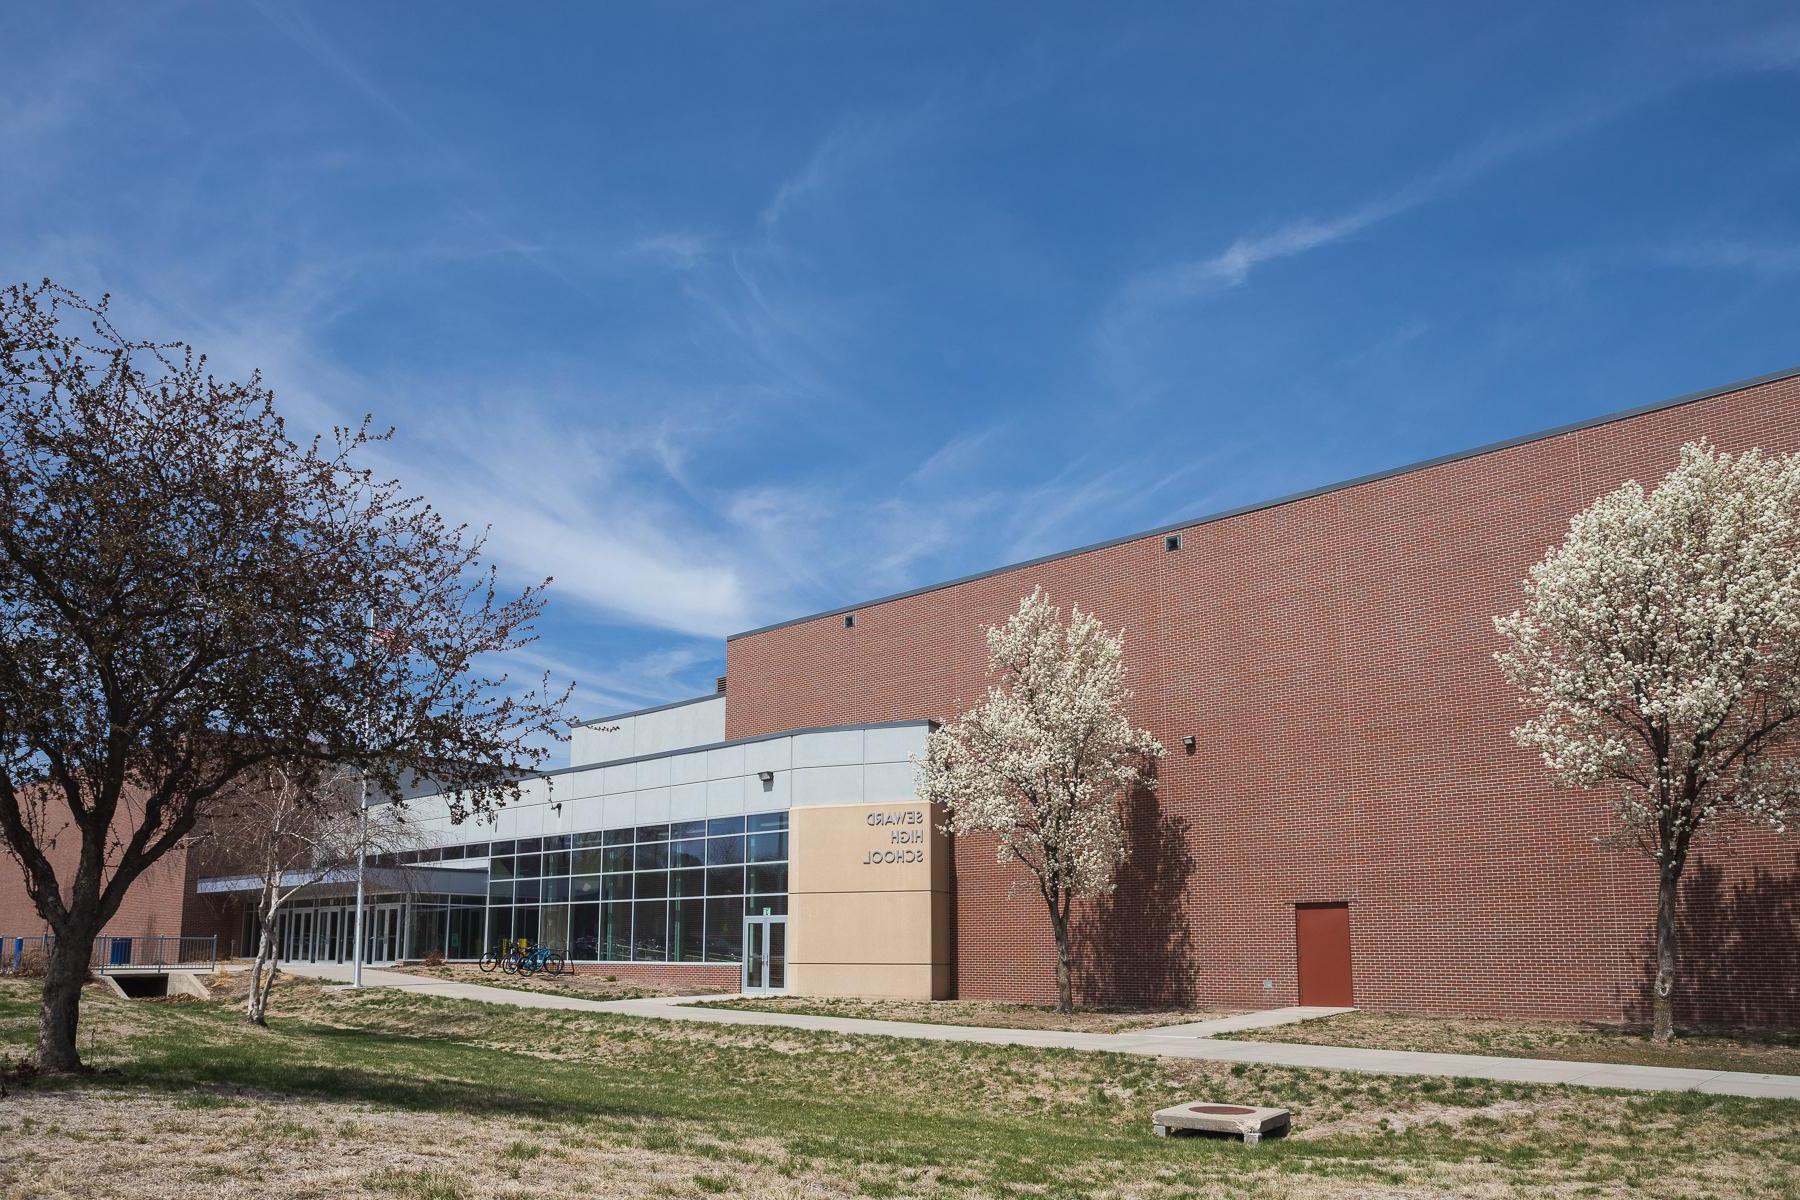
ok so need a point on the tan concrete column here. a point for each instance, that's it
(869, 901)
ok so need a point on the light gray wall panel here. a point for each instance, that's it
(827, 785)
(840, 748)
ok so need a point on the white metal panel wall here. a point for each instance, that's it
(840, 766)
(698, 723)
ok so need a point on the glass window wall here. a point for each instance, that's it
(657, 893)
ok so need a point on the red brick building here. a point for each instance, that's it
(1353, 821)
(164, 902)
(1331, 655)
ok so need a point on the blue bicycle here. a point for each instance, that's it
(521, 958)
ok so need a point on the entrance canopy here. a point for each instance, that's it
(376, 879)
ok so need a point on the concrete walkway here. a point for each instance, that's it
(1267, 1018)
(1177, 1041)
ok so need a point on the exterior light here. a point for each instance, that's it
(1187, 743)
(768, 777)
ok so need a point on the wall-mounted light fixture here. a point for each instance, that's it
(767, 777)
(1187, 743)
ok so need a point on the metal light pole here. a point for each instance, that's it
(362, 837)
(362, 855)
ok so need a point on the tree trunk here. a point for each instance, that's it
(269, 986)
(1662, 1001)
(257, 1007)
(1065, 992)
(60, 1016)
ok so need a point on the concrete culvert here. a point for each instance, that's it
(155, 985)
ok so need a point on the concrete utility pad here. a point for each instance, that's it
(1239, 1120)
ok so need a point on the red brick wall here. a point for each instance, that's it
(154, 904)
(1333, 657)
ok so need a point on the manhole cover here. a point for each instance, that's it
(1222, 1110)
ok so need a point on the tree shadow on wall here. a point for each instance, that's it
(1739, 951)
(1135, 946)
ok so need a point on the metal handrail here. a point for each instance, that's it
(151, 952)
(155, 952)
(12, 950)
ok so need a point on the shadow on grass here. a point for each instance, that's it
(440, 1075)
(289, 1065)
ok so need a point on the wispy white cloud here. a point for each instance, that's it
(813, 176)
(854, 143)
(1159, 287)
(681, 250)
(583, 502)
(1232, 266)
(292, 23)
(50, 90)
(1076, 505)
(1775, 48)
(1756, 256)
(1146, 294)
(958, 455)
(669, 672)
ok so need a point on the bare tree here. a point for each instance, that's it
(291, 831)
(185, 594)
(1659, 648)
(1044, 759)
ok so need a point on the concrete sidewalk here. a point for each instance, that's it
(1164, 1043)
(1266, 1018)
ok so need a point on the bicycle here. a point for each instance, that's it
(543, 958)
(522, 958)
(503, 958)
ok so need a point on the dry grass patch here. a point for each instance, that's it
(233, 987)
(387, 1092)
(151, 1146)
(1769, 1052)
(987, 1014)
(593, 983)
(155, 1146)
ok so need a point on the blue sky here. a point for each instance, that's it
(723, 314)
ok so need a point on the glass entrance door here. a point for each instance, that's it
(765, 955)
(384, 933)
(300, 926)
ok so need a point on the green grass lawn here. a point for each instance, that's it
(1765, 1053)
(386, 1093)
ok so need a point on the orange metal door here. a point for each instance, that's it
(1322, 939)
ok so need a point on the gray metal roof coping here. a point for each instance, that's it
(1257, 506)
(639, 712)
(743, 741)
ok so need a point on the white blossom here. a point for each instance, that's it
(1659, 650)
(1044, 758)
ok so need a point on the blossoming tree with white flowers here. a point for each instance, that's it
(1044, 759)
(1659, 648)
